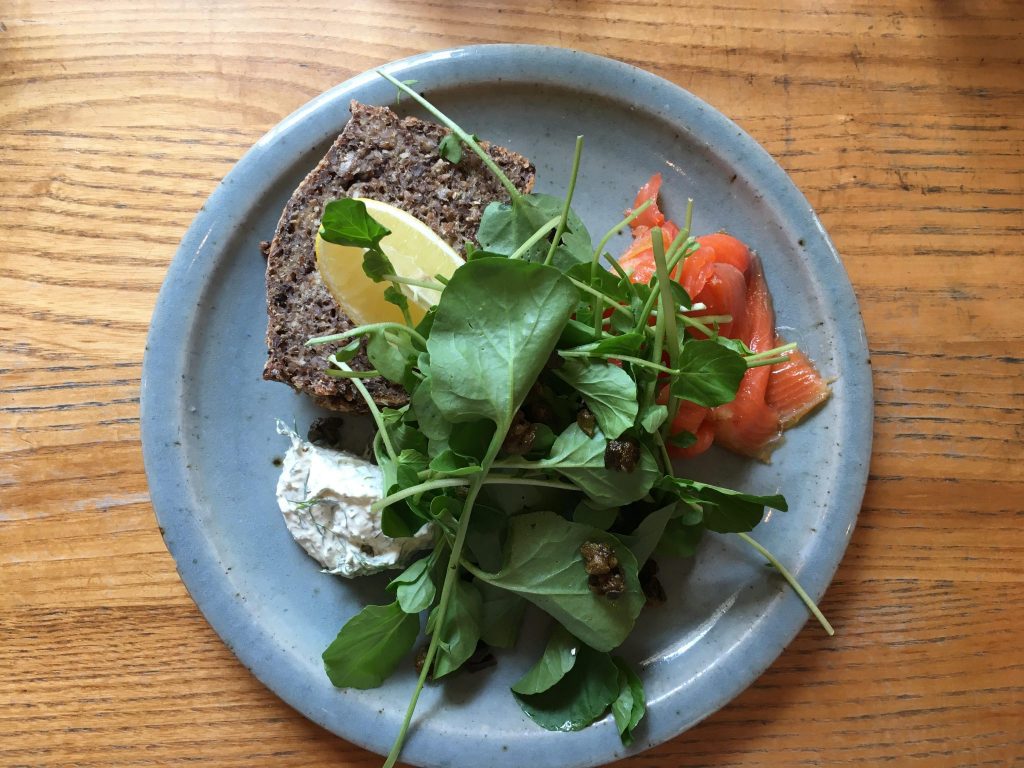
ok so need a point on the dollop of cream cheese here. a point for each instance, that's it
(325, 497)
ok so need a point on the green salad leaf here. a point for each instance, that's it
(543, 564)
(501, 616)
(460, 629)
(709, 374)
(347, 222)
(370, 646)
(558, 658)
(496, 324)
(577, 699)
(628, 708)
(608, 391)
(414, 588)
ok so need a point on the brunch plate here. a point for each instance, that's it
(211, 447)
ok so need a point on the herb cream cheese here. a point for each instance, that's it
(325, 496)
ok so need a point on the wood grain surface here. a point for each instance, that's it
(902, 122)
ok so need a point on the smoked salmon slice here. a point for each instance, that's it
(748, 425)
(725, 276)
(795, 388)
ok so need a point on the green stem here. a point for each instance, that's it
(404, 306)
(645, 313)
(538, 482)
(451, 574)
(665, 458)
(536, 237)
(416, 490)
(349, 374)
(594, 292)
(382, 429)
(766, 361)
(363, 330)
(464, 137)
(577, 153)
(430, 285)
(677, 255)
(686, 243)
(615, 230)
(623, 275)
(772, 352)
(693, 323)
(599, 304)
(657, 348)
(811, 606)
(714, 318)
(625, 358)
(668, 310)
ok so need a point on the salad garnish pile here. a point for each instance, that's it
(538, 366)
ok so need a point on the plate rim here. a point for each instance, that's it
(173, 500)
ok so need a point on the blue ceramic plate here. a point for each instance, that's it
(210, 444)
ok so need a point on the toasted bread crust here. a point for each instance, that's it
(387, 158)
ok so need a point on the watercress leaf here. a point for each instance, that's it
(576, 333)
(410, 574)
(620, 323)
(725, 510)
(629, 706)
(680, 539)
(736, 345)
(410, 463)
(624, 344)
(496, 325)
(347, 352)
(376, 265)
(645, 537)
(608, 391)
(651, 417)
(709, 373)
(393, 295)
(430, 420)
(558, 658)
(689, 514)
(485, 536)
(543, 439)
(415, 589)
(451, 464)
(424, 326)
(400, 519)
(394, 362)
(682, 439)
(543, 564)
(576, 241)
(606, 282)
(579, 698)
(446, 510)
(622, 708)
(588, 512)
(347, 222)
(370, 646)
(450, 148)
(580, 458)
(679, 295)
(460, 630)
(506, 226)
(403, 435)
(501, 617)
(470, 439)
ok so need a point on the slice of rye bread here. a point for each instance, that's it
(384, 157)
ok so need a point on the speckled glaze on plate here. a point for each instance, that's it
(210, 443)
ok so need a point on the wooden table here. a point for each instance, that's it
(903, 123)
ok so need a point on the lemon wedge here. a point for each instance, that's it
(415, 251)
